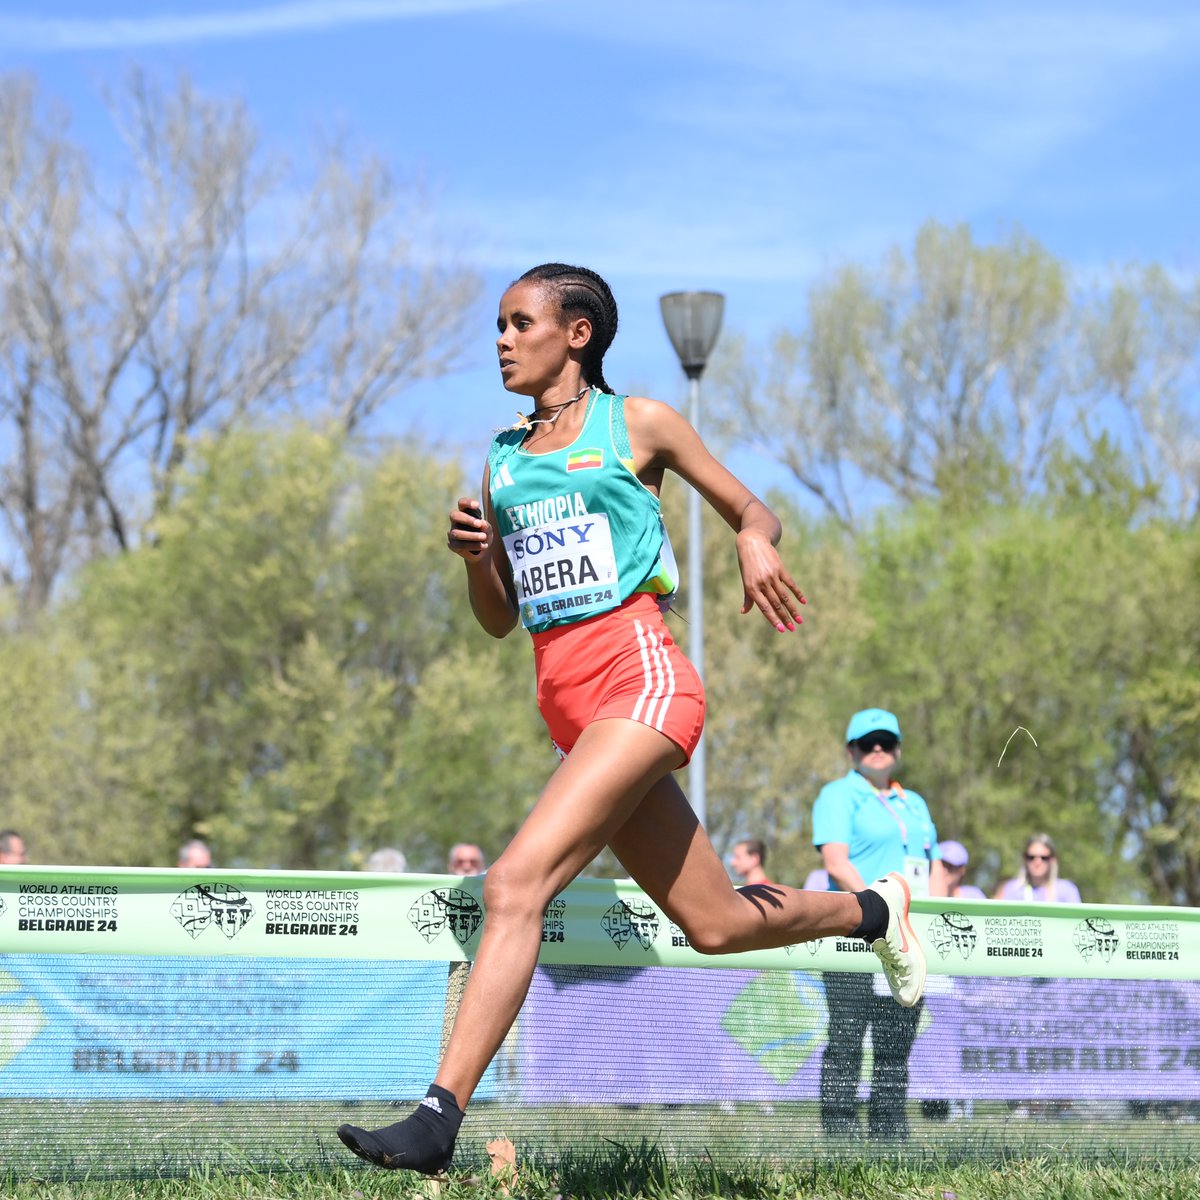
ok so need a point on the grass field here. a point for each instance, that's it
(232, 1151)
(634, 1173)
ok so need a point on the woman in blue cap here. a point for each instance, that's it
(863, 824)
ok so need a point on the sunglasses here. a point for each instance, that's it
(887, 742)
(1038, 857)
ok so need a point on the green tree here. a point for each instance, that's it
(286, 629)
(776, 701)
(90, 772)
(1160, 720)
(1006, 640)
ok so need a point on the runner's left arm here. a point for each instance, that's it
(663, 439)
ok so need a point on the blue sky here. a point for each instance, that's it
(730, 145)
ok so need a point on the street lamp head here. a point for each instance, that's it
(693, 321)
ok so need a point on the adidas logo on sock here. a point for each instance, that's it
(432, 1102)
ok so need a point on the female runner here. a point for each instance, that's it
(569, 542)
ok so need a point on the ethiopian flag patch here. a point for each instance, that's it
(584, 460)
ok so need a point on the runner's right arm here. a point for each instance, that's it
(489, 576)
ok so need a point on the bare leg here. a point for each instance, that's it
(591, 795)
(614, 788)
(665, 849)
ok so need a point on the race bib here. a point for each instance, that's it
(563, 569)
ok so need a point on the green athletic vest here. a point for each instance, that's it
(581, 531)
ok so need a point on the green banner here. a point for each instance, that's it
(598, 922)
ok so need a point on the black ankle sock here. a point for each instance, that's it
(874, 916)
(423, 1141)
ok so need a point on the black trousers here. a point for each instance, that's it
(853, 1008)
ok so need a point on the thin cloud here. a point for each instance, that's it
(120, 33)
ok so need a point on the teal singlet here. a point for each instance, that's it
(582, 532)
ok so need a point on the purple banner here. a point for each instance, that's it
(680, 1035)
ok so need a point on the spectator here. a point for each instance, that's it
(748, 859)
(1039, 879)
(12, 848)
(865, 826)
(954, 864)
(387, 860)
(817, 880)
(1039, 883)
(194, 855)
(465, 858)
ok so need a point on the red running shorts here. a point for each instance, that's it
(622, 663)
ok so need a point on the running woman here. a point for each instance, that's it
(569, 542)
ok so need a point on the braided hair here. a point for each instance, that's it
(582, 292)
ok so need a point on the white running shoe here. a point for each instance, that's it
(899, 951)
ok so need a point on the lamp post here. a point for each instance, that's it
(693, 321)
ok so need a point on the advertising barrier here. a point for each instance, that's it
(703, 1037)
(288, 985)
(437, 918)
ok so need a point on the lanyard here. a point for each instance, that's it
(893, 786)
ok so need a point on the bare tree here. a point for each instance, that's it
(196, 284)
(1143, 341)
(940, 370)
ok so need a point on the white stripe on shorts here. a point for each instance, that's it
(659, 678)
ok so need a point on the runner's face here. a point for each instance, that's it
(532, 344)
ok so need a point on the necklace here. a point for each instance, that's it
(526, 423)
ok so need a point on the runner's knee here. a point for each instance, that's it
(705, 938)
(510, 894)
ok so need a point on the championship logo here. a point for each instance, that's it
(1096, 936)
(627, 921)
(219, 904)
(446, 907)
(953, 931)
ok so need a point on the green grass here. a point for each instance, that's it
(634, 1173)
(231, 1151)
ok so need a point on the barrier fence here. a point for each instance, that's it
(157, 1019)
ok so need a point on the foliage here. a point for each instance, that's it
(288, 647)
(1041, 657)
(1159, 729)
(88, 766)
(775, 700)
(993, 639)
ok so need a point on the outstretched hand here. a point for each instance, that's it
(766, 583)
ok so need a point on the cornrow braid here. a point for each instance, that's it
(583, 292)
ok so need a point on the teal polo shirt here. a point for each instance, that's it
(880, 835)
